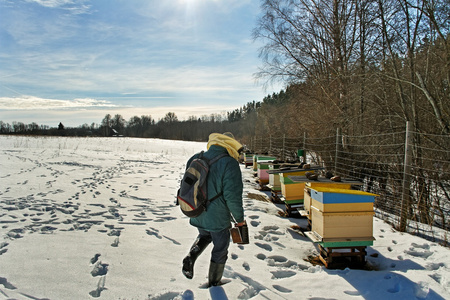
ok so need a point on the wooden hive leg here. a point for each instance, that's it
(324, 256)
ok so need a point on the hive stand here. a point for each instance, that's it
(341, 254)
(275, 196)
(332, 257)
(292, 209)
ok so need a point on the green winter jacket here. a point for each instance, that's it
(224, 176)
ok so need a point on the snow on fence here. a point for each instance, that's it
(409, 170)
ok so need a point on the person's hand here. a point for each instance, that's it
(243, 223)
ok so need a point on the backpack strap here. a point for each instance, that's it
(210, 162)
(215, 159)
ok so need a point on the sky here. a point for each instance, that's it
(74, 61)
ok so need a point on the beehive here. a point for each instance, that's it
(262, 174)
(274, 178)
(261, 158)
(342, 213)
(293, 191)
(342, 225)
(248, 159)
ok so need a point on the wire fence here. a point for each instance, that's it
(410, 171)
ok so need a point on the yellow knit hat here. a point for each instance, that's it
(227, 141)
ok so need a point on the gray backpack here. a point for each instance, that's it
(192, 195)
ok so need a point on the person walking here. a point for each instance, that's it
(224, 179)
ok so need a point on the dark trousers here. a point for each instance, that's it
(221, 241)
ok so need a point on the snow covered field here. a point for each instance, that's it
(84, 218)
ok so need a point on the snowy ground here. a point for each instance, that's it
(84, 218)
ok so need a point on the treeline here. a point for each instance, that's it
(169, 127)
(241, 121)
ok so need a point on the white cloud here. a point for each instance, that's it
(76, 7)
(36, 103)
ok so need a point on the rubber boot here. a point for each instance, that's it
(215, 273)
(197, 248)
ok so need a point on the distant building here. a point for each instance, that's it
(115, 132)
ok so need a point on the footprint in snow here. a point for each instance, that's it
(281, 289)
(100, 269)
(115, 243)
(255, 223)
(280, 274)
(260, 256)
(2, 248)
(154, 232)
(264, 246)
(246, 266)
(439, 279)
(100, 287)
(6, 284)
(95, 258)
(423, 246)
(352, 293)
(419, 250)
(278, 258)
(431, 267)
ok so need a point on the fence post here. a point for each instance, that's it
(262, 145)
(270, 144)
(338, 141)
(304, 147)
(406, 180)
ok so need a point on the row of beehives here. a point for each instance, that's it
(339, 215)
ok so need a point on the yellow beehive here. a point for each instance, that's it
(293, 191)
(342, 225)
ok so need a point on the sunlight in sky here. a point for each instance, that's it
(129, 54)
